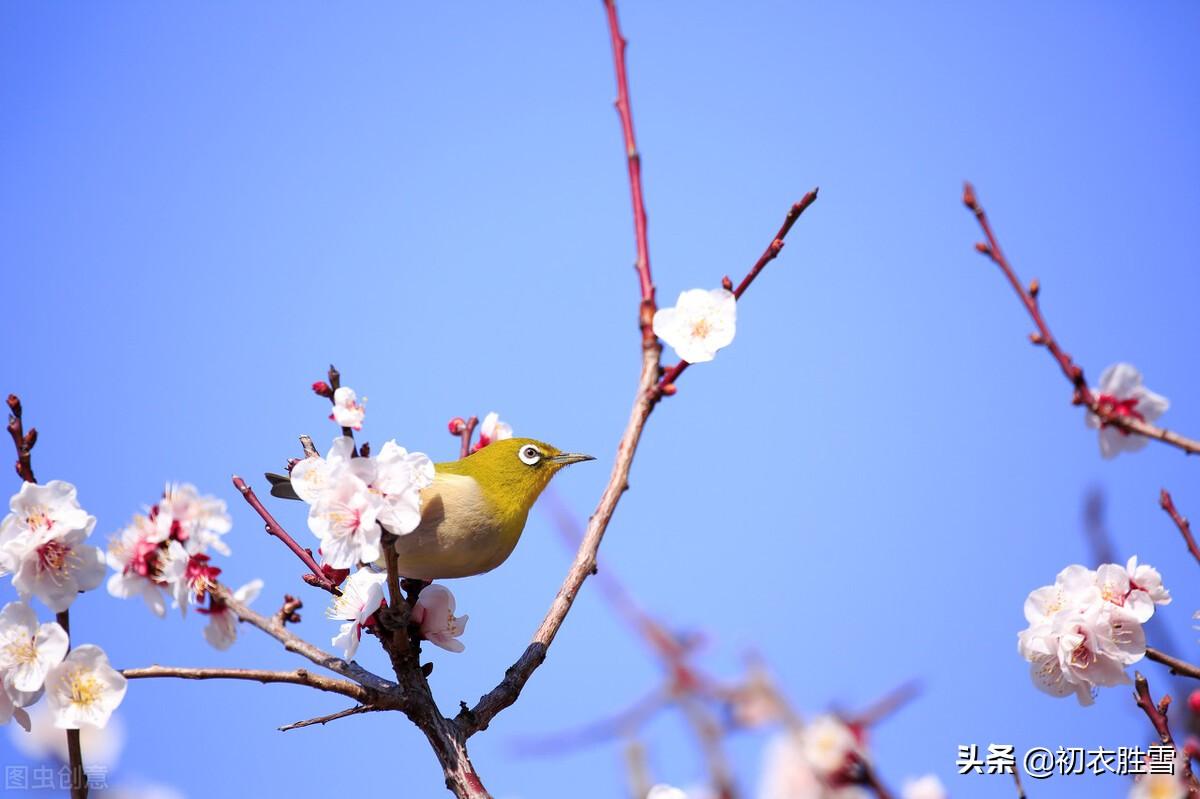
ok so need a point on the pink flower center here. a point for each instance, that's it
(1111, 406)
(53, 555)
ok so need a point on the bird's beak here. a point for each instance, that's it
(569, 457)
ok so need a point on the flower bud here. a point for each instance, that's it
(456, 426)
(322, 389)
(1194, 701)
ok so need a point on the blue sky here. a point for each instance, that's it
(201, 207)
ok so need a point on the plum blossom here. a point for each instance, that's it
(666, 792)
(57, 569)
(927, 787)
(38, 513)
(828, 744)
(1087, 628)
(11, 711)
(196, 521)
(43, 741)
(1160, 786)
(83, 690)
(221, 630)
(137, 555)
(492, 429)
(347, 410)
(362, 595)
(701, 323)
(434, 612)
(789, 773)
(352, 499)
(1122, 394)
(27, 649)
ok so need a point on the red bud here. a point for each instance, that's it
(669, 390)
(456, 426)
(322, 389)
(1194, 701)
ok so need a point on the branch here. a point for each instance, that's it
(323, 720)
(1185, 528)
(667, 384)
(22, 441)
(264, 676)
(79, 778)
(463, 430)
(1083, 395)
(1158, 718)
(319, 578)
(625, 111)
(1177, 666)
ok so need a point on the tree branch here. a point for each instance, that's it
(667, 384)
(1158, 718)
(1043, 337)
(1177, 666)
(318, 578)
(1185, 528)
(79, 779)
(323, 720)
(634, 160)
(22, 441)
(297, 677)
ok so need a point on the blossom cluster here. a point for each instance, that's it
(362, 597)
(1086, 628)
(42, 546)
(163, 554)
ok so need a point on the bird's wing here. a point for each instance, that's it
(281, 486)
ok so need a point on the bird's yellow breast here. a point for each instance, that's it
(461, 532)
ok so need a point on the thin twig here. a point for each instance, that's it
(463, 430)
(79, 779)
(322, 720)
(667, 384)
(288, 611)
(319, 578)
(1083, 395)
(22, 441)
(634, 160)
(1158, 719)
(297, 677)
(1185, 528)
(1177, 666)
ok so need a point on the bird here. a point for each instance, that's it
(474, 512)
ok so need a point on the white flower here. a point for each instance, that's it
(786, 774)
(666, 792)
(492, 429)
(37, 514)
(198, 522)
(27, 649)
(1083, 631)
(1146, 580)
(347, 410)
(362, 595)
(187, 578)
(434, 612)
(1160, 786)
(1122, 394)
(10, 711)
(927, 787)
(827, 743)
(344, 519)
(138, 560)
(56, 569)
(311, 476)
(221, 630)
(399, 478)
(84, 690)
(701, 323)
(43, 741)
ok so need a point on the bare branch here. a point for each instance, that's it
(323, 720)
(1158, 718)
(1083, 395)
(1177, 666)
(1185, 528)
(79, 779)
(297, 677)
(22, 441)
(319, 578)
(667, 384)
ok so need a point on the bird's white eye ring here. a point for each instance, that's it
(529, 455)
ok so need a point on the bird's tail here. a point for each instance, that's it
(281, 486)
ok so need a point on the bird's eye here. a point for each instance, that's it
(529, 455)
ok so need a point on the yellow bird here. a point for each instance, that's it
(474, 512)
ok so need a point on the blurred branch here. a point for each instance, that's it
(667, 384)
(1083, 395)
(1158, 719)
(1096, 528)
(1185, 528)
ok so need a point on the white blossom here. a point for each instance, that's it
(399, 477)
(1122, 394)
(827, 743)
(1160, 786)
(434, 612)
(493, 429)
(38, 513)
(927, 787)
(344, 519)
(347, 410)
(663, 791)
(10, 711)
(28, 649)
(362, 595)
(101, 748)
(196, 521)
(311, 476)
(137, 559)
(221, 630)
(84, 690)
(56, 569)
(701, 323)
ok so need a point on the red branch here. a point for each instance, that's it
(463, 430)
(1105, 411)
(1185, 528)
(21, 440)
(1158, 718)
(667, 384)
(318, 577)
(625, 111)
